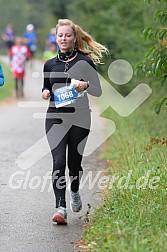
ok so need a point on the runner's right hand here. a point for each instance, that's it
(45, 94)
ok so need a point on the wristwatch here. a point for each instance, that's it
(87, 85)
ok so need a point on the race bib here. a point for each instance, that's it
(64, 96)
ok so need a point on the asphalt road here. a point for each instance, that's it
(26, 198)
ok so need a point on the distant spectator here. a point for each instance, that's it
(8, 36)
(51, 39)
(31, 38)
(49, 53)
(19, 53)
(1, 76)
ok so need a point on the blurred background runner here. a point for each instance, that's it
(31, 39)
(51, 39)
(49, 53)
(8, 36)
(1, 76)
(19, 54)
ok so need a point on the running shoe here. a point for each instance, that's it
(75, 202)
(60, 216)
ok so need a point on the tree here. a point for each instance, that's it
(119, 26)
(155, 62)
(116, 24)
(59, 8)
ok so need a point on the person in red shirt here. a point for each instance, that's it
(19, 53)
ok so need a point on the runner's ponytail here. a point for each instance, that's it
(86, 44)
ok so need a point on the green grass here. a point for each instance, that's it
(7, 89)
(133, 213)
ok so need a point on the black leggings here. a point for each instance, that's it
(19, 84)
(63, 132)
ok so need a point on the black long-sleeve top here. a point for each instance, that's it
(58, 73)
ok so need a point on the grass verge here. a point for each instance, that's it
(133, 216)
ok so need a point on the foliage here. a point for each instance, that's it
(114, 24)
(59, 8)
(155, 62)
(119, 26)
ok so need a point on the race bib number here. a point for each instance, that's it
(64, 96)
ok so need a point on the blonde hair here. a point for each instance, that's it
(84, 42)
(20, 40)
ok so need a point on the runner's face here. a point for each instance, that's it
(65, 38)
